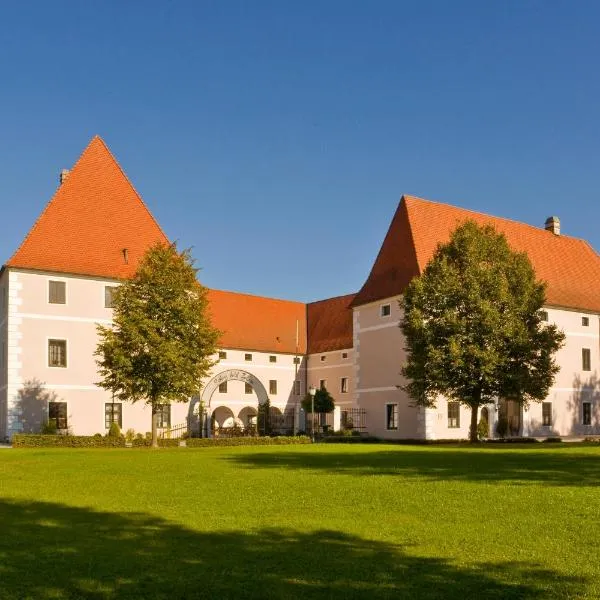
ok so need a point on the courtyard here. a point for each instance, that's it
(321, 521)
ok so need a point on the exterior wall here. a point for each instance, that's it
(573, 386)
(32, 321)
(378, 357)
(331, 367)
(4, 277)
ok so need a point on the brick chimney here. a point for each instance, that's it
(553, 225)
(63, 175)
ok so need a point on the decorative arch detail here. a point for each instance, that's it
(237, 375)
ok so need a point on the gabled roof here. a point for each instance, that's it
(93, 216)
(329, 324)
(569, 266)
(257, 323)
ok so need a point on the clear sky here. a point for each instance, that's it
(276, 138)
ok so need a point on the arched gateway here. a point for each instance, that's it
(212, 386)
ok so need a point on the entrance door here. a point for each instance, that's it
(511, 411)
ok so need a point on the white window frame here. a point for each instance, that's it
(453, 402)
(381, 309)
(343, 388)
(385, 416)
(62, 280)
(271, 381)
(589, 353)
(107, 285)
(47, 352)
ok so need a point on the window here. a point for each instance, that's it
(544, 315)
(586, 359)
(344, 355)
(164, 415)
(344, 385)
(222, 355)
(113, 413)
(297, 388)
(587, 413)
(247, 357)
(272, 386)
(109, 296)
(453, 415)
(546, 414)
(57, 412)
(223, 387)
(391, 416)
(585, 321)
(248, 389)
(57, 353)
(296, 360)
(323, 358)
(385, 310)
(57, 292)
(322, 383)
(272, 358)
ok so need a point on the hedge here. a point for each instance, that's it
(27, 440)
(247, 441)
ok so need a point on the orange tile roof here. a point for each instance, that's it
(329, 324)
(569, 266)
(258, 323)
(93, 216)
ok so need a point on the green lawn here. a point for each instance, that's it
(323, 521)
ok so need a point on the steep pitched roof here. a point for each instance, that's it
(93, 216)
(257, 323)
(569, 266)
(329, 324)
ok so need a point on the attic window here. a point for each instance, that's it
(247, 357)
(57, 292)
(323, 358)
(386, 310)
(222, 355)
(344, 355)
(544, 315)
(296, 360)
(272, 358)
(585, 321)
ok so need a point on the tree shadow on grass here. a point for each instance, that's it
(560, 466)
(55, 551)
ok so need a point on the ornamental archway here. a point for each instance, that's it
(199, 423)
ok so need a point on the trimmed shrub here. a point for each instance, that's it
(49, 428)
(27, 440)
(246, 441)
(114, 431)
(552, 440)
(130, 435)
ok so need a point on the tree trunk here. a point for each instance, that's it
(473, 437)
(154, 425)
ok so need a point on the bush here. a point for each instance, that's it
(247, 441)
(27, 440)
(502, 427)
(483, 428)
(49, 428)
(553, 439)
(114, 431)
(130, 435)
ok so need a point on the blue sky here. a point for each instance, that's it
(276, 138)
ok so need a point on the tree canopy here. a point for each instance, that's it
(324, 402)
(473, 326)
(159, 347)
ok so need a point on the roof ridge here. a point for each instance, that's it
(256, 296)
(494, 217)
(333, 298)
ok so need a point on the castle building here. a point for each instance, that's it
(58, 285)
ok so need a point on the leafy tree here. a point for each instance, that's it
(473, 326)
(324, 402)
(159, 347)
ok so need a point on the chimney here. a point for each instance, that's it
(553, 225)
(63, 175)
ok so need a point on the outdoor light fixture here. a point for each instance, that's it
(312, 391)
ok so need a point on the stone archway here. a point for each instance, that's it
(205, 398)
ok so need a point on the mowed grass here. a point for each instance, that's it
(323, 521)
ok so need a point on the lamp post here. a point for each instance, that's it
(312, 391)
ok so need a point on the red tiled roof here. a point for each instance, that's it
(258, 323)
(93, 216)
(569, 266)
(329, 324)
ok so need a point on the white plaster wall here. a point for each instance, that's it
(332, 369)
